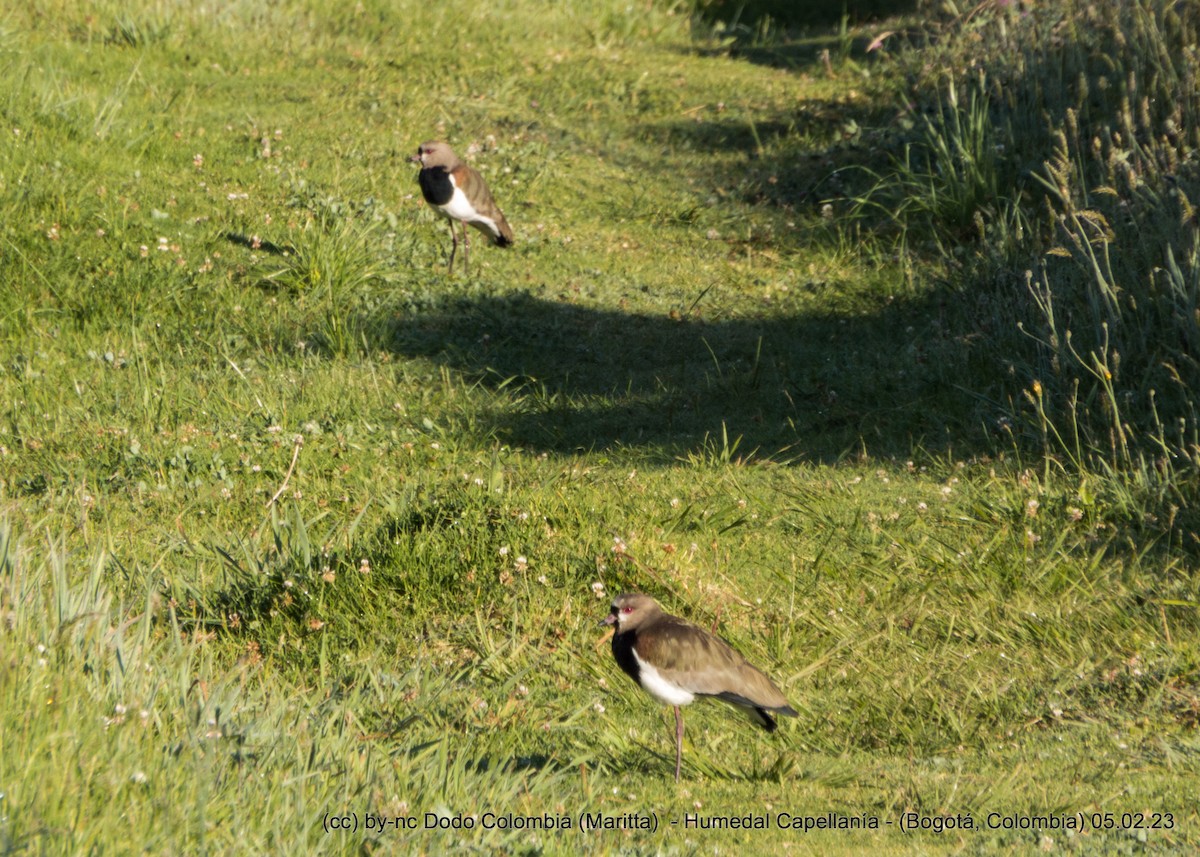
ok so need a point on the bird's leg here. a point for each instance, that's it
(466, 249)
(678, 741)
(453, 248)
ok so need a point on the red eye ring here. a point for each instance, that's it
(626, 609)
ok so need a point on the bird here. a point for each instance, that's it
(459, 193)
(674, 661)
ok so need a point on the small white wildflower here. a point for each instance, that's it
(598, 589)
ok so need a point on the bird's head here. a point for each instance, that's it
(631, 610)
(434, 153)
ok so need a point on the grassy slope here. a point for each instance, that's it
(680, 380)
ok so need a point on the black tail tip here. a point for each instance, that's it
(503, 241)
(768, 722)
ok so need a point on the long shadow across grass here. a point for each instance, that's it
(571, 377)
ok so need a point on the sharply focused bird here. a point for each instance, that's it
(674, 661)
(459, 193)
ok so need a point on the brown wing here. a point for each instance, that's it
(707, 665)
(480, 197)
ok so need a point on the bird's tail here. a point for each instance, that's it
(763, 719)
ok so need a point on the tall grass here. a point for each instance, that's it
(1117, 296)
(952, 182)
(1072, 147)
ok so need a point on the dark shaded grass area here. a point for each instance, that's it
(812, 386)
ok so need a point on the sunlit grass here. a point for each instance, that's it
(295, 528)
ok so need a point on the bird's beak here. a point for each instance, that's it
(415, 159)
(610, 619)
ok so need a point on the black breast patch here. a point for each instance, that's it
(622, 649)
(435, 185)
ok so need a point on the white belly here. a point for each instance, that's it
(659, 687)
(459, 207)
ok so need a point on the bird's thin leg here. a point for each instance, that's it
(678, 741)
(466, 249)
(453, 247)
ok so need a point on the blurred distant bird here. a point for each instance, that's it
(459, 193)
(674, 661)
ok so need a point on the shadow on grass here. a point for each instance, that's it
(779, 171)
(789, 13)
(790, 158)
(797, 36)
(252, 242)
(569, 378)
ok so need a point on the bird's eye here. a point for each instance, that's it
(626, 609)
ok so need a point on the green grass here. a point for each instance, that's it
(294, 527)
